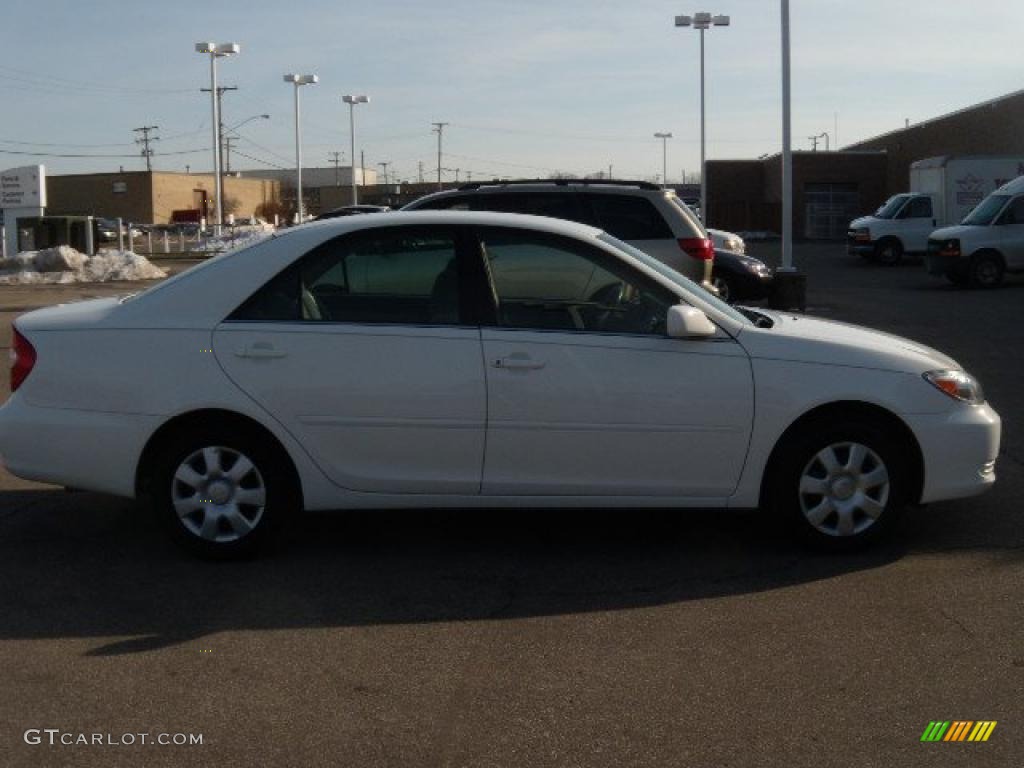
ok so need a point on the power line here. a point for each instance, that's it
(63, 154)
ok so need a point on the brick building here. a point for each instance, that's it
(831, 188)
(150, 197)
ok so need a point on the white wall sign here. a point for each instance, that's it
(23, 187)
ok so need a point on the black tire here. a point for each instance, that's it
(235, 526)
(798, 463)
(987, 270)
(889, 252)
(725, 287)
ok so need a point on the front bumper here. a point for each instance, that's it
(940, 264)
(860, 248)
(959, 449)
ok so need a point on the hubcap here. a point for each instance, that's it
(844, 489)
(219, 494)
(722, 287)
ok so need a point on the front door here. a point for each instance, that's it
(361, 351)
(588, 396)
(1010, 227)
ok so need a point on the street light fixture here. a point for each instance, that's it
(298, 81)
(352, 101)
(664, 156)
(217, 51)
(702, 21)
(227, 138)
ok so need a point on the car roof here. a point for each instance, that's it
(639, 189)
(332, 227)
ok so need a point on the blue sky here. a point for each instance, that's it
(528, 86)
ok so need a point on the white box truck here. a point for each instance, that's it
(943, 190)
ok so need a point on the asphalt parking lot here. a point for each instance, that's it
(536, 638)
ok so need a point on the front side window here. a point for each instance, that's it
(406, 275)
(986, 211)
(918, 208)
(547, 282)
(1014, 213)
(628, 217)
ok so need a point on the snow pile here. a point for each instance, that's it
(229, 242)
(64, 264)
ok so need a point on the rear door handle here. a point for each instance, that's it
(517, 363)
(260, 349)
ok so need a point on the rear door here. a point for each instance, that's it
(367, 352)
(637, 221)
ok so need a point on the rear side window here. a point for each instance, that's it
(403, 275)
(450, 203)
(555, 205)
(629, 218)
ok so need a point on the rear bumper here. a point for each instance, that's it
(959, 450)
(90, 450)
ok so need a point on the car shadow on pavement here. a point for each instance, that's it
(91, 566)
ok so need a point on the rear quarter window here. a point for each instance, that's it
(629, 218)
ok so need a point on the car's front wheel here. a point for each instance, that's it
(842, 484)
(222, 493)
(723, 285)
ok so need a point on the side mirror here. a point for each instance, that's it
(688, 322)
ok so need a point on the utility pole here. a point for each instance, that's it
(609, 170)
(227, 152)
(336, 159)
(439, 130)
(144, 141)
(421, 171)
(814, 143)
(362, 164)
(220, 116)
(385, 165)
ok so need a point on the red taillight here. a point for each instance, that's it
(698, 247)
(23, 357)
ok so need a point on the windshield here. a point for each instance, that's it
(986, 211)
(678, 279)
(892, 207)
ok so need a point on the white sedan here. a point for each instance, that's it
(441, 359)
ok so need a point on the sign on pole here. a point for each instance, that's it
(22, 195)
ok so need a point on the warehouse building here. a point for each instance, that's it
(831, 188)
(153, 197)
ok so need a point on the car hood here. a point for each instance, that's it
(827, 342)
(78, 314)
(863, 221)
(954, 231)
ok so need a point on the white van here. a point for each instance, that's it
(988, 243)
(943, 190)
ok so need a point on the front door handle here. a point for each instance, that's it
(260, 349)
(519, 363)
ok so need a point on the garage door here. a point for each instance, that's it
(829, 209)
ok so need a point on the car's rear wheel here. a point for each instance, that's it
(222, 493)
(842, 485)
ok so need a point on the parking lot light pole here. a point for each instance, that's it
(298, 81)
(702, 21)
(664, 156)
(352, 101)
(217, 51)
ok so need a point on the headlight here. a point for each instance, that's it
(735, 244)
(862, 234)
(757, 267)
(957, 384)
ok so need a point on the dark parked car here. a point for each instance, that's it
(741, 278)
